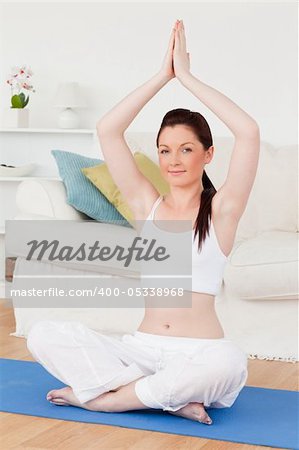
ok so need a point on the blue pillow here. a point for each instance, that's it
(81, 193)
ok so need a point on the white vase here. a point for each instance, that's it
(16, 118)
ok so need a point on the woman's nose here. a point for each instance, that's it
(175, 160)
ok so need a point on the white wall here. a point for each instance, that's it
(247, 50)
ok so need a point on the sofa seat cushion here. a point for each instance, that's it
(264, 267)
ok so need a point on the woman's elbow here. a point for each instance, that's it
(101, 127)
(250, 131)
(253, 129)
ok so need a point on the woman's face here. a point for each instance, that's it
(180, 151)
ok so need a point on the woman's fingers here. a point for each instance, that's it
(182, 35)
(181, 56)
(172, 37)
(178, 38)
(171, 40)
(167, 66)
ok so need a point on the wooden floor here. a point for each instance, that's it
(31, 433)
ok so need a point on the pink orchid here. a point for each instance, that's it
(19, 81)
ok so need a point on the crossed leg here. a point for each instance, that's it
(122, 399)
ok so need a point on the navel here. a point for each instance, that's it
(167, 325)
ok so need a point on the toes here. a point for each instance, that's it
(205, 419)
(57, 393)
(208, 421)
(203, 416)
(58, 400)
(50, 395)
(58, 403)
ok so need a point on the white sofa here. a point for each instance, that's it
(258, 303)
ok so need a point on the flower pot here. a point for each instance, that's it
(16, 118)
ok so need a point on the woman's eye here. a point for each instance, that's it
(187, 149)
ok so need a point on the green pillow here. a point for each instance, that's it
(101, 178)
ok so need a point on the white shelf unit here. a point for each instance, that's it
(49, 130)
(20, 146)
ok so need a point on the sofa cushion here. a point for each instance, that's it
(102, 179)
(81, 193)
(278, 190)
(44, 198)
(264, 267)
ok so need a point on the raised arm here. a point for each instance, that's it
(117, 120)
(133, 185)
(244, 160)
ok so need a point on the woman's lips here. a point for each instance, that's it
(177, 173)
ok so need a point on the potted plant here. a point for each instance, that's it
(19, 81)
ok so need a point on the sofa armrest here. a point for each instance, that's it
(45, 198)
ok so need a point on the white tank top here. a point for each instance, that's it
(208, 264)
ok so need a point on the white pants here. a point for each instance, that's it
(172, 371)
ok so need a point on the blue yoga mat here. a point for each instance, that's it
(259, 416)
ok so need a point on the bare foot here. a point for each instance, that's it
(194, 411)
(63, 397)
(66, 397)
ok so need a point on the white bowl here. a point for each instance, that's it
(21, 171)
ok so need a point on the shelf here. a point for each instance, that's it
(29, 178)
(2, 291)
(49, 130)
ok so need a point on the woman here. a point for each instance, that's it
(178, 360)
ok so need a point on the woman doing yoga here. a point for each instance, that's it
(178, 360)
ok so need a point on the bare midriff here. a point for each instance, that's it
(199, 320)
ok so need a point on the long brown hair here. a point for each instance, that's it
(201, 129)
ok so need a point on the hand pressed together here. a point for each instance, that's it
(176, 62)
